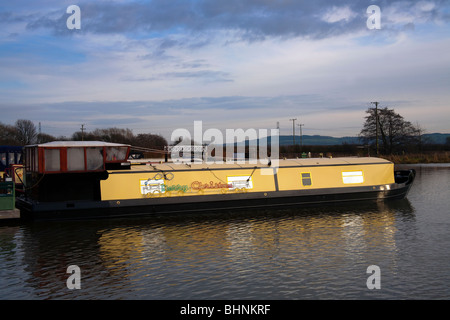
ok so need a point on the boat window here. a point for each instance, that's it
(306, 179)
(240, 182)
(35, 159)
(116, 153)
(94, 158)
(28, 156)
(11, 159)
(75, 159)
(152, 186)
(29, 162)
(350, 177)
(52, 160)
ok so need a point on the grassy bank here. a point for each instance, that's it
(412, 158)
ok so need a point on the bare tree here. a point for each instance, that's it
(86, 136)
(395, 133)
(7, 134)
(44, 137)
(148, 140)
(25, 132)
(116, 135)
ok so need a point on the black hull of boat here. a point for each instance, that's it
(210, 203)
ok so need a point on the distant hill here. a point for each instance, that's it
(318, 140)
(436, 138)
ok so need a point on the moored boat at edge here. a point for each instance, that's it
(95, 179)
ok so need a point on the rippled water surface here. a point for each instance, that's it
(314, 253)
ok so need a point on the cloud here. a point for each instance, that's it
(163, 64)
(205, 75)
(255, 20)
(337, 14)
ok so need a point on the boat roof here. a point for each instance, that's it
(10, 148)
(304, 162)
(57, 144)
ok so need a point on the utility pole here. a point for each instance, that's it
(82, 132)
(376, 123)
(293, 130)
(40, 133)
(301, 135)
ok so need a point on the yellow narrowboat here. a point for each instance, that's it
(72, 179)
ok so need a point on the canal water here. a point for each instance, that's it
(286, 254)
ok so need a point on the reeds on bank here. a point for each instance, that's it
(413, 158)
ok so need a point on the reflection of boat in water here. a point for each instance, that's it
(94, 179)
(177, 256)
(335, 234)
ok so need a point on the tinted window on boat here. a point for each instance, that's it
(116, 153)
(52, 159)
(306, 179)
(94, 158)
(75, 159)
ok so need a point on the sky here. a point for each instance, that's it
(157, 66)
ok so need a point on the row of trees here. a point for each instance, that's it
(24, 132)
(392, 132)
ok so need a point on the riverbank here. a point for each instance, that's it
(415, 158)
(9, 216)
